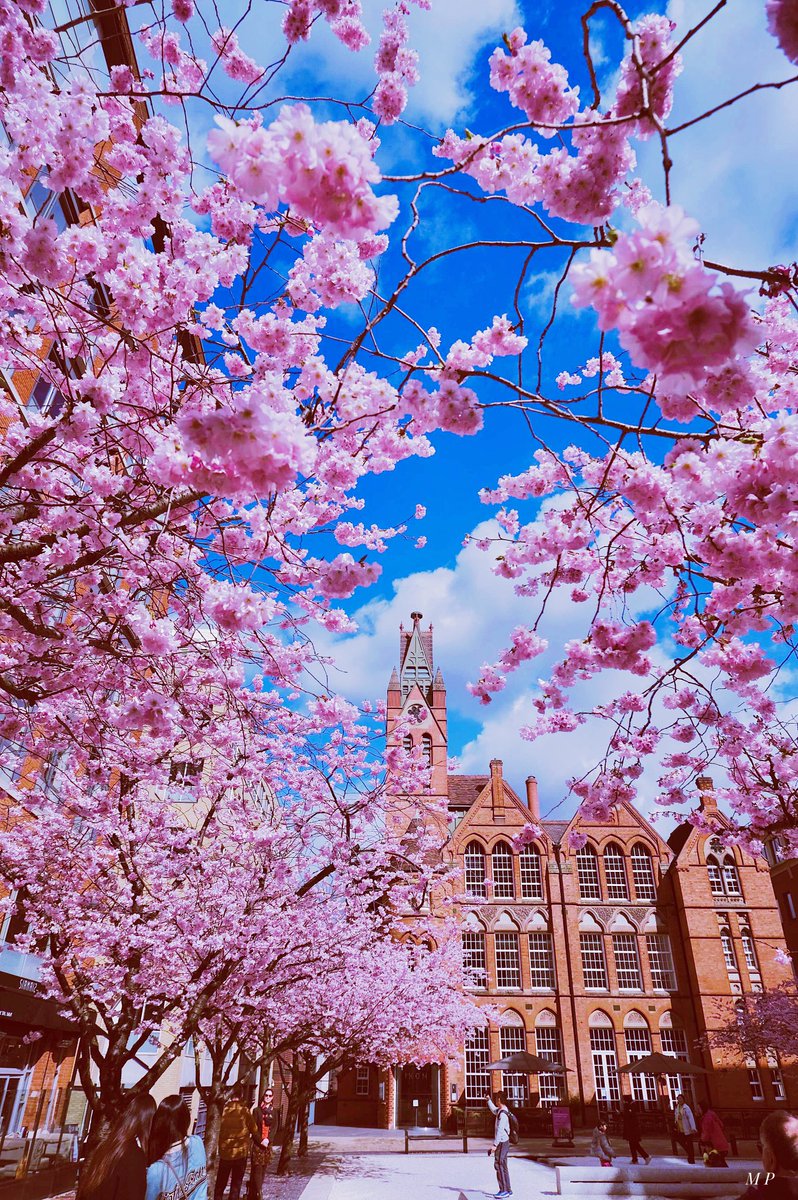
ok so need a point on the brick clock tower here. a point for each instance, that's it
(417, 697)
(594, 951)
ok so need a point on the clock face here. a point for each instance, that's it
(416, 712)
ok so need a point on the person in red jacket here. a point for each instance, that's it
(713, 1138)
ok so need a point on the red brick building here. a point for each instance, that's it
(594, 957)
(784, 876)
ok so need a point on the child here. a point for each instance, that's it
(600, 1146)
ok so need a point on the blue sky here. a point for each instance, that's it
(740, 184)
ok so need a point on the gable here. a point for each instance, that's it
(489, 824)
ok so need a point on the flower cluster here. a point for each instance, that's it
(583, 187)
(783, 24)
(330, 272)
(669, 311)
(397, 66)
(324, 171)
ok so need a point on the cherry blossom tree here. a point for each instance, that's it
(181, 493)
(175, 366)
(764, 1023)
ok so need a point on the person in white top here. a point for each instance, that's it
(685, 1127)
(501, 1141)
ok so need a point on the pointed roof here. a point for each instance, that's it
(415, 657)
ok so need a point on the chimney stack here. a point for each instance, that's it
(497, 789)
(532, 801)
(706, 793)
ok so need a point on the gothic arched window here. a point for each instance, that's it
(475, 870)
(502, 866)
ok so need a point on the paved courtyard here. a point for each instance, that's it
(423, 1176)
(428, 1175)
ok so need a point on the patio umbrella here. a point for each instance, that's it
(522, 1063)
(662, 1064)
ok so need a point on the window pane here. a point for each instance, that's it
(615, 874)
(531, 875)
(477, 1057)
(475, 870)
(587, 870)
(728, 951)
(674, 1042)
(502, 863)
(541, 961)
(474, 962)
(512, 1039)
(594, 968)
(605, 1066)
(627, 965)
(660, 958)
(749, 951)
(715, 878)
(643, 874)
(731, 879)
(547, 1043)
(638, 1045)
(508, 961)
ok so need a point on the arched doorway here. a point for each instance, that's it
(418, 1096)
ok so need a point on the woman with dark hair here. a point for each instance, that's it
(177, 1169)
(117, 1167)
(261, 1145)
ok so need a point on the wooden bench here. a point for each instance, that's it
(460, 1138)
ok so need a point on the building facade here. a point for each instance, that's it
(594, 956)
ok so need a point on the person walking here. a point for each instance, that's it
(237, 1130)
(501, 1141)
(685, 1127)
(630, 1131)
(117, 1167)
(177, 1170)
(713, 1137)
(601, 1146)
(263, 1117)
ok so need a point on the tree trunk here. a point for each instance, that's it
(294, 1100)
(212, 1126)
(304, 1114)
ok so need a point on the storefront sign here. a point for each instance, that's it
(561, 1124)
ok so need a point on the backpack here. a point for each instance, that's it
(513, 1120)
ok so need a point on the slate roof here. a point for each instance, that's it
(464, 789)
(555, 829)
(679, 836)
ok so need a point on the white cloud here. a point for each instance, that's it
(539, 295)
(447, 38)
(736, 171)
(472, 611)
